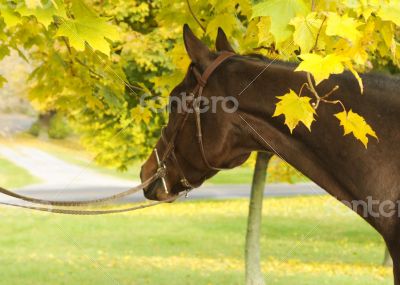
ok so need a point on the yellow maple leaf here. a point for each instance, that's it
(296, 109)
(390, 11)
(180, 57)
(227, 21)
(10, 17)
(281, 12)
(306, 31)
(356, 75)
(264, 35)
(356, 124)
(343, 26)
(88, 28)
(321, 67)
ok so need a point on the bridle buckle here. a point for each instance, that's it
(162, 170)
(185, 183)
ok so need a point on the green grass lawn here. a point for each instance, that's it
(305, 241)
(12, 176)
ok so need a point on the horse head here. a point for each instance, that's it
(195, 145)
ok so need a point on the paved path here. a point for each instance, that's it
(55, 172)
(64, 181)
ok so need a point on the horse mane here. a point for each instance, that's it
(260, 57)
(378, 78)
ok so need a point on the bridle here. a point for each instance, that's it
(192, 107)
(169, 153)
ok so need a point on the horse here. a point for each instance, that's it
(194, 145)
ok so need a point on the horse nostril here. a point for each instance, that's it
(150, 192)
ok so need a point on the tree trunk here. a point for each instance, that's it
(388, 259)
(252, 253)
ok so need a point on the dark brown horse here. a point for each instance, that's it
(339, 164)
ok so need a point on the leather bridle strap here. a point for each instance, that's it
(202, 80)
(201, 84)
(184, 181)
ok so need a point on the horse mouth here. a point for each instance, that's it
(156, 192)
(150, 192)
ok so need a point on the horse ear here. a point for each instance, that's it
(222, 43)
(196, 49)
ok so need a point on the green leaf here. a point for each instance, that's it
(281, 12)
(110, 98)
(43, 13)
(10, 17)
(296, 109)
(86, 27)
(4, 51)
(2, 81)
(356, 124)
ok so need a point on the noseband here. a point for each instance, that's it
(192, 107)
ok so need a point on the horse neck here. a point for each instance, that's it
(340, 164)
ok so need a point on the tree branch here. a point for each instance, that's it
(194, 16)
(313, 3)
(319, 32)
(318, 98)
(89, 68)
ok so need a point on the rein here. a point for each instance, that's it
(159, 174)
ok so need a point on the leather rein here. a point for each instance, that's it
(51, 205)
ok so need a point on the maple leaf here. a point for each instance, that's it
(306, 31)
(86, 27)
(390, 12)
(227, 22)
(281, 12)
(343, 26)
(10, 17)
(180, 58)
(43, 13)
(321, 67)
(296, 109)
(356, 124)
(356, 75)
(264, 35)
